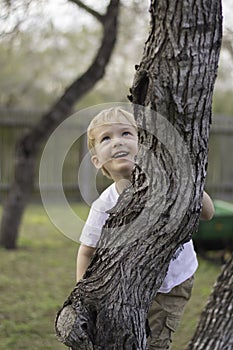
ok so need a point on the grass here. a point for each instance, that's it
(36, 278)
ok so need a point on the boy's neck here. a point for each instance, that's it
(122, 184)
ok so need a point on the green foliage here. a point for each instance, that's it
(36, 279)
(37, 68)
(48, 49)
(50, 45)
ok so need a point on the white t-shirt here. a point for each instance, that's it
(180, 269)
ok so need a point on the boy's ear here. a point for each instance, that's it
(95, 160)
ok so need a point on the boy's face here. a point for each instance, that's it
(115, 149)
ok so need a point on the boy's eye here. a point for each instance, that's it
(126, 133)
(105, 138)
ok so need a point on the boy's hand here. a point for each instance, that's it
(208, 210)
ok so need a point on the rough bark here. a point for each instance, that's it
(27, 148)
(215, 328)
(108, 308)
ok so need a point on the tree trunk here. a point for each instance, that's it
(27, 148)
(215, 328)
(160, 211)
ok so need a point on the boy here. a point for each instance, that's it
(113, 143)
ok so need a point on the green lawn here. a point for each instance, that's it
(36, 278)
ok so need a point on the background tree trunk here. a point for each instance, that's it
(160, 211)
(27, 148)
(215, 328)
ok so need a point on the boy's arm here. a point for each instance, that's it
(207, 207)
(84, 256)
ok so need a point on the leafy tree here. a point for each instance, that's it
(27, 148)
(35, 52)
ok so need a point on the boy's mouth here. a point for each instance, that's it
(120, 154)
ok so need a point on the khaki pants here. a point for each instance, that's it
(165, 314)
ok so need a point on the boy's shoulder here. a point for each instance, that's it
(107, 199)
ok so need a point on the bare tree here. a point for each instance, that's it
(160, 211)
(28, 146)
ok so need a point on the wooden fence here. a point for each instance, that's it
(13, 123)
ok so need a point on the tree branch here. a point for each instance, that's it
(94, 13)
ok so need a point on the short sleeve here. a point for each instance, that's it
(92, 229)
(97, 216)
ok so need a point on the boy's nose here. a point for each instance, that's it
(117, 142)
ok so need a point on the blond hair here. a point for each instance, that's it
(106, 117)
